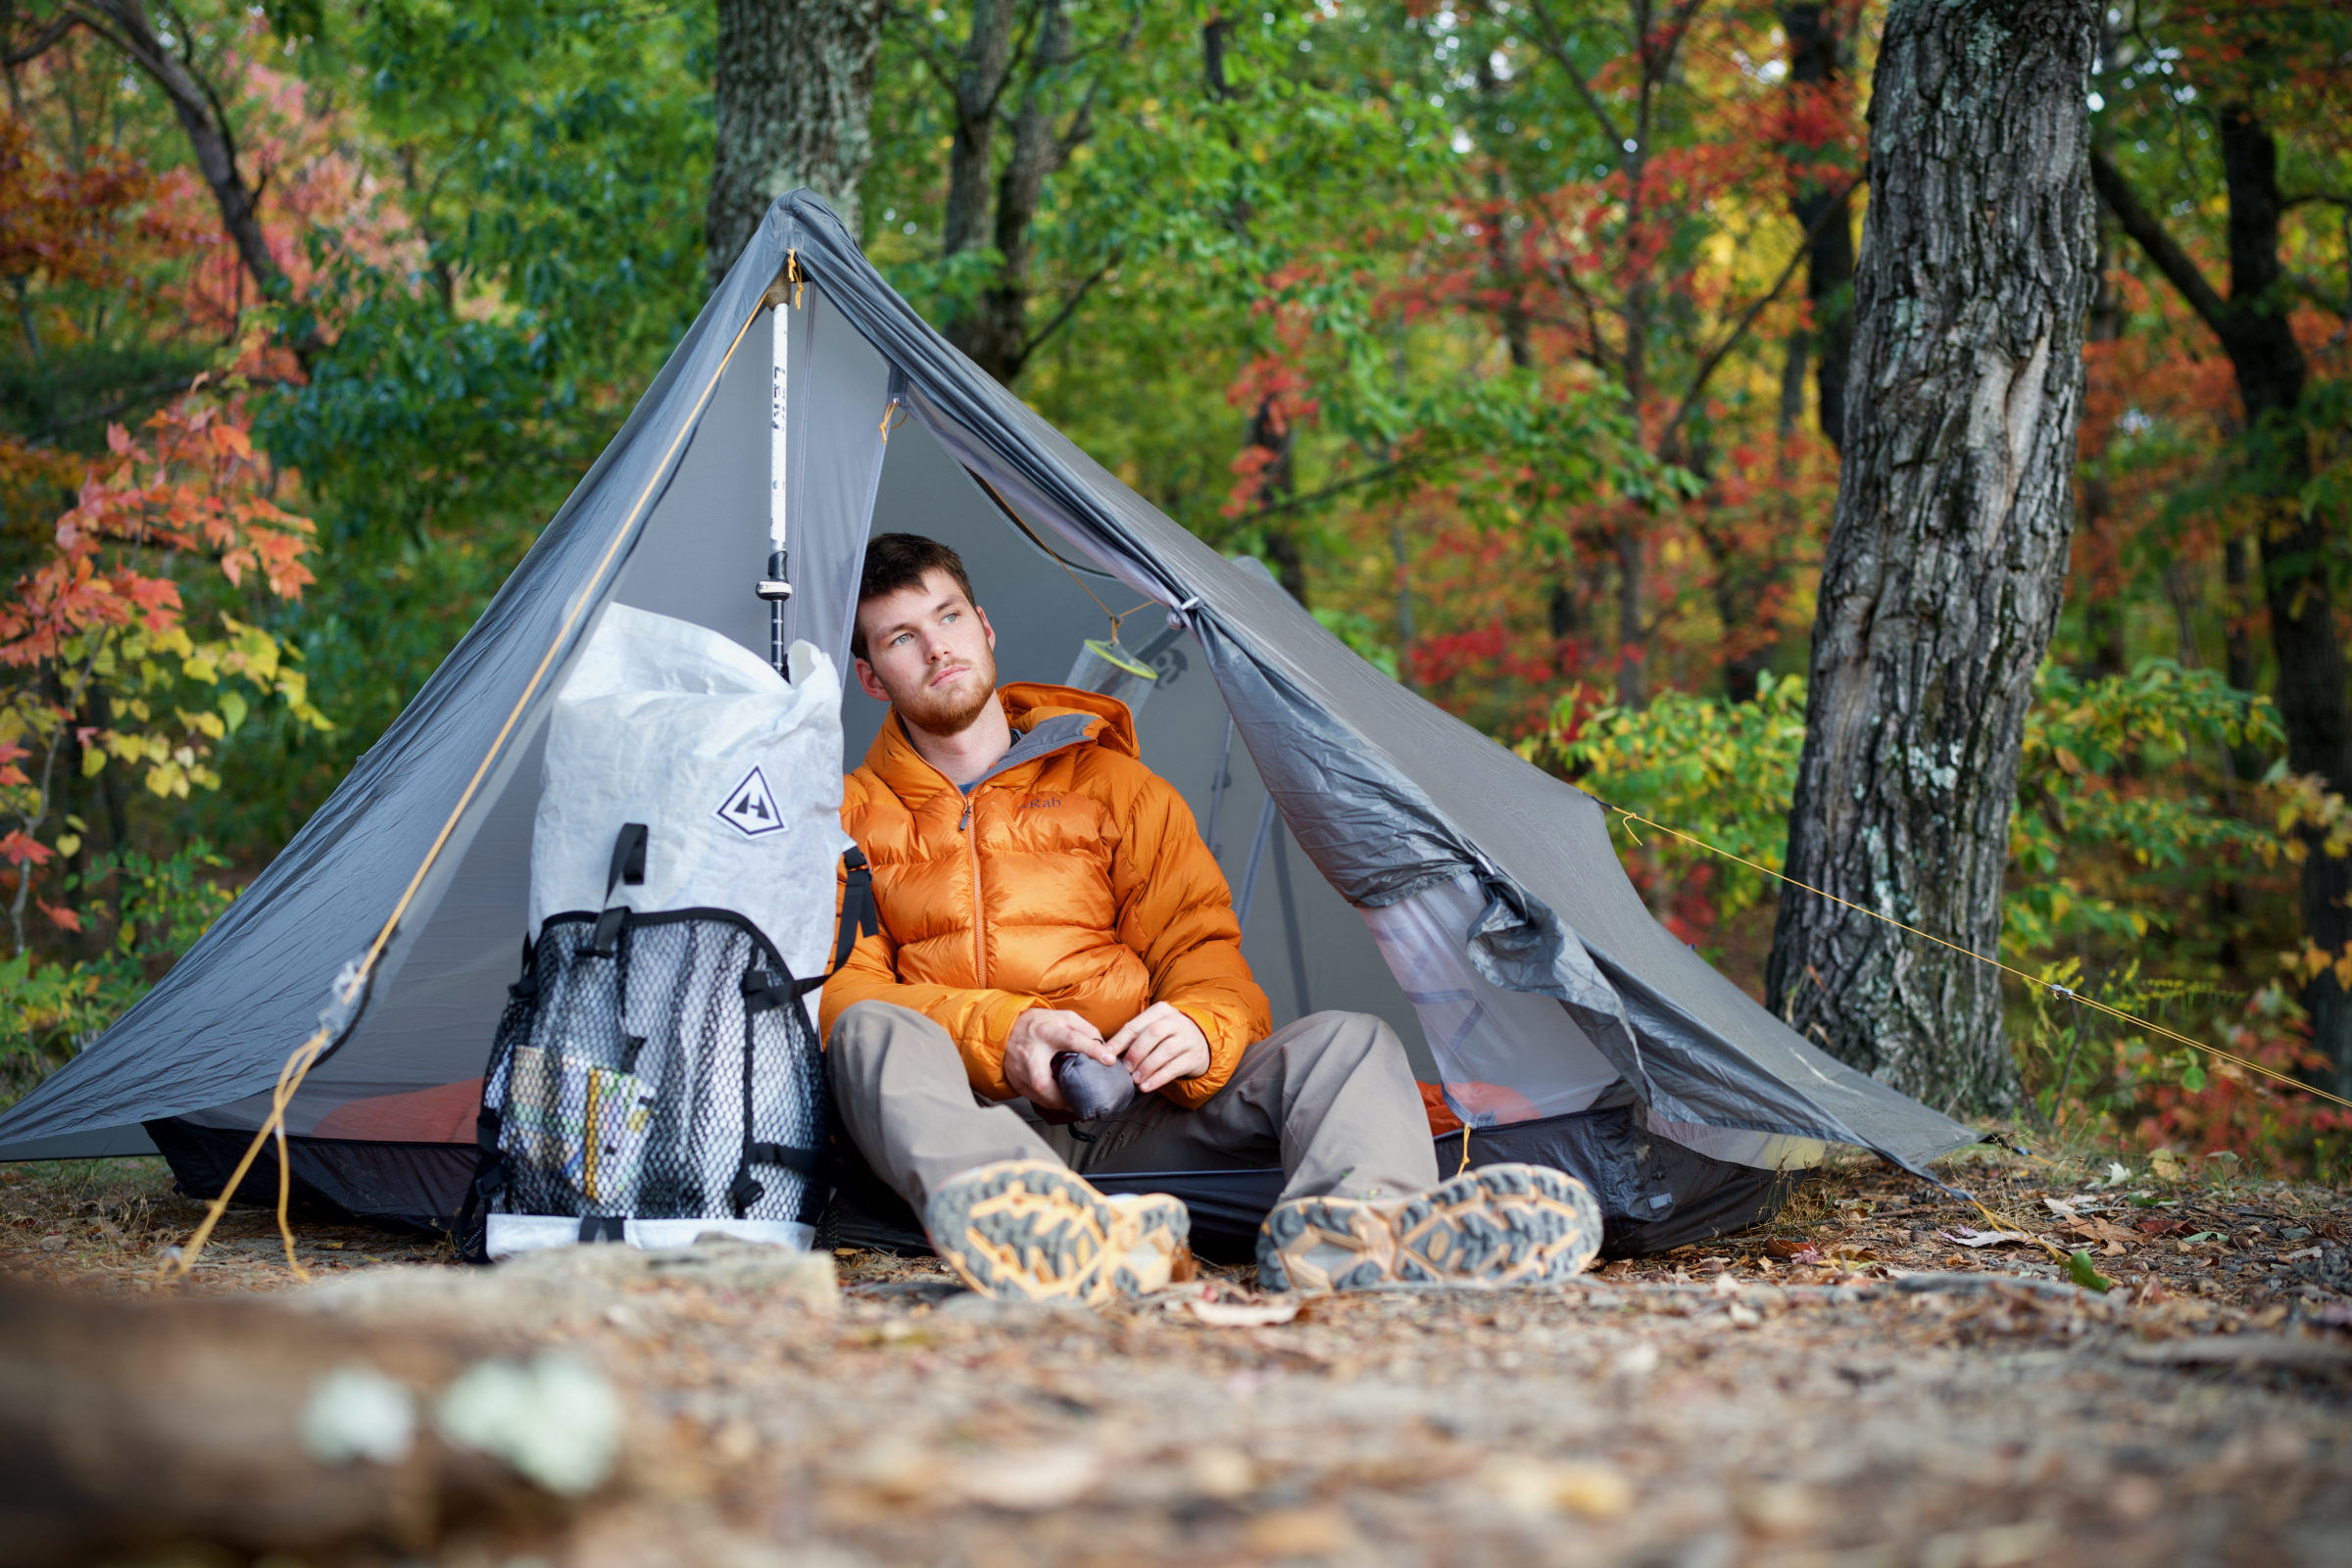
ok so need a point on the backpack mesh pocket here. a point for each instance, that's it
(666, 1071)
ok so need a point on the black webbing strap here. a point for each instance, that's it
(628, 858)
(489, 1183)
(526, 985)
(482, 1193)
(761, 994)
(808, 1161)
(858, 917)
(628, 866)
(764, 992)
(604, 1228)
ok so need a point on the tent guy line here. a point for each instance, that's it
(1005, 507)
(2070, 994)
(350, 987)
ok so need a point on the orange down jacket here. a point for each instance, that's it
(1072, 877)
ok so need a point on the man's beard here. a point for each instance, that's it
(950, 712)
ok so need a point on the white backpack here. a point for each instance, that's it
(657, 1074)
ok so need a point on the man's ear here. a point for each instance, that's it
(986, 627)
(866, 681)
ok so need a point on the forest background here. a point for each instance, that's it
(1512, 334)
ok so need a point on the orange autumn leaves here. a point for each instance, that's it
(96, 637)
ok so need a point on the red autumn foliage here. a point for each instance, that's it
(197, 485)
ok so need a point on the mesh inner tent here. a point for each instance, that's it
(666, 1071)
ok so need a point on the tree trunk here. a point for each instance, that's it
(980, 75)
(2098, 573)
(2295, 550)
(1633, 635)
(2295, 542)
(1948, 559)
(795, 83)
(1816, 59)
(1269, 432)
(998, 207)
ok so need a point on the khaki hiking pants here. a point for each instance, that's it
(1330, 1098)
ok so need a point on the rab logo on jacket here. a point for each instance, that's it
(1040, 802)
(750, 808)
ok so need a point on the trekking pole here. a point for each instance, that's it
(775, 587)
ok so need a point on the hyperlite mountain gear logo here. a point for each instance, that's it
(750, 808)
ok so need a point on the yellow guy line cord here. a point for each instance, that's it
(305, 1056)
(1005, 507)
(2091, 1003)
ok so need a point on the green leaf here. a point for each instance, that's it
(2083, 1272)
(2192, 1078)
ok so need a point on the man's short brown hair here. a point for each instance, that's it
(897, 560)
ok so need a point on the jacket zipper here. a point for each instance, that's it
(971, 844)
(963, 825)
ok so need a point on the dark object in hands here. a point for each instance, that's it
(1091, 1089)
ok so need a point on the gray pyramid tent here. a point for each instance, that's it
(1386, 857)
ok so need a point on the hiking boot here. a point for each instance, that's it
(1495, 1226)
(1032, 1229)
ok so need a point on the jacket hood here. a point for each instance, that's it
(1028, 704)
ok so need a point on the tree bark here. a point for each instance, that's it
(1817, 59)
(1948, 558)
(795, 83)
(2295, 541)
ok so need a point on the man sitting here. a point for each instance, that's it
(1041, 891)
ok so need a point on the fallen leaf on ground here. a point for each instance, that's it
(2083, 1272)
(1243, 1315)
(1967, 1236)
(2098, 1230)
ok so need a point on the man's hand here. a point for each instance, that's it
(1159, 1046)
(1039, 1036)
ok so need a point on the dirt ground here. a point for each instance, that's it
(1849, 1386)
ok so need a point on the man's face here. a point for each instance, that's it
(930, 653)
